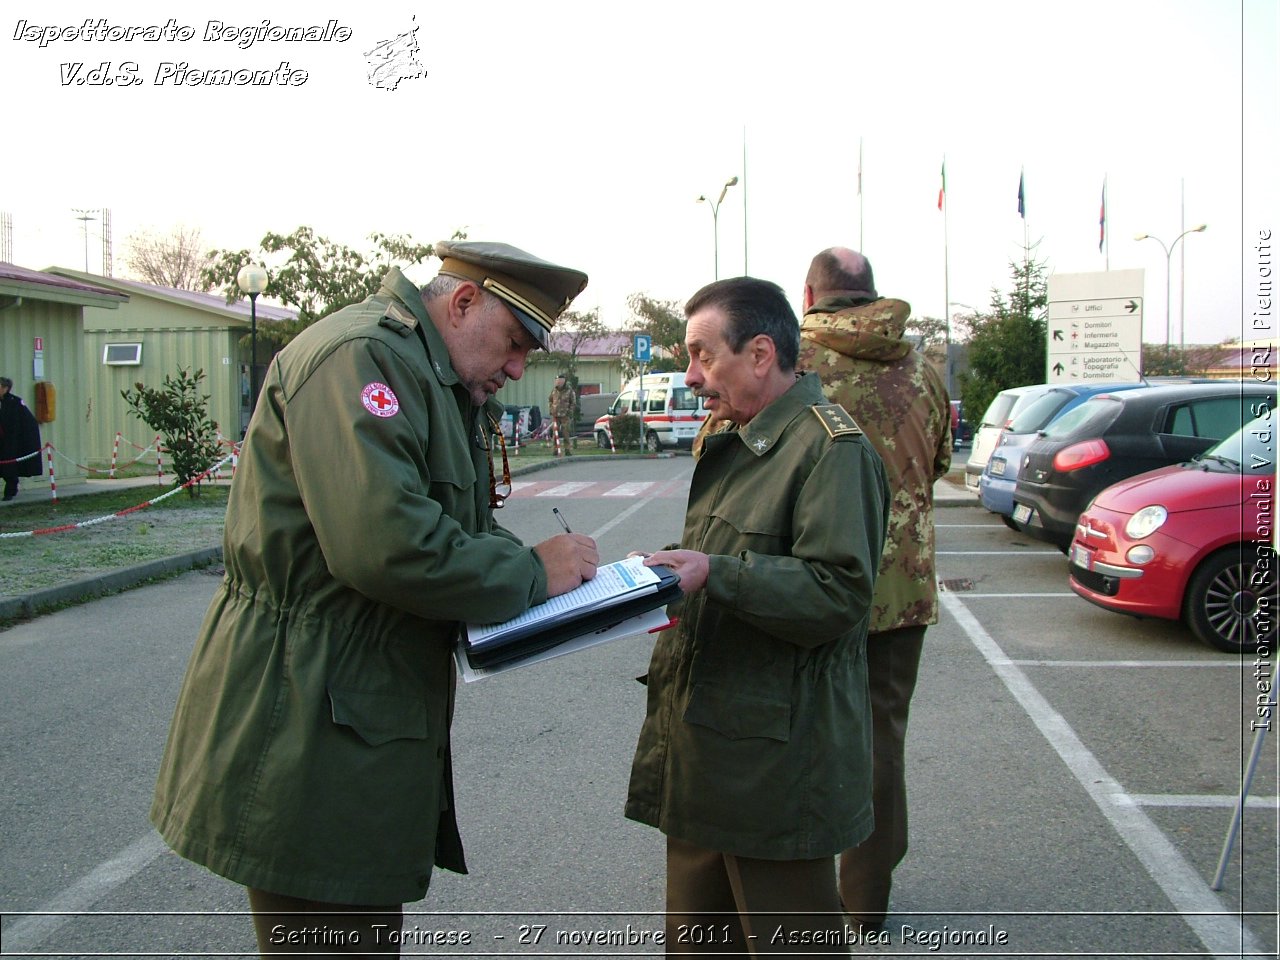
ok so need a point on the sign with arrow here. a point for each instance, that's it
(1094, 327)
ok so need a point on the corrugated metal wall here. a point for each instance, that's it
(173, 336)
(59, 325)
(535, 386)
(211, 349)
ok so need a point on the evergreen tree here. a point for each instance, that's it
(1007, 342)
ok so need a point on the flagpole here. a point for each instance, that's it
(946, 282)
(860, 247)
(1106, 234)
(1182, 271)
(745, 271)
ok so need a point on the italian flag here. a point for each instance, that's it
(942, 189)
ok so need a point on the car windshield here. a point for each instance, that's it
(1039, 412)
(1249, 447)
(1087, 420)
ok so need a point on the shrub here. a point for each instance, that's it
(626, 430)
(181, 416)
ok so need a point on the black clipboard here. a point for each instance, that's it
(537, 637)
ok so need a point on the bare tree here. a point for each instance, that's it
(176, 259)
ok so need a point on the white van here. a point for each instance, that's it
(671, 412)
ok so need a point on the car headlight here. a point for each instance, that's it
(1146, 522)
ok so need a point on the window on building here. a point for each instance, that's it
(122, 354)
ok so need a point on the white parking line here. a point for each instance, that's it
(1007, 596)
(1204, 912)
(1198, 800)
(1125, 664)
(30, 931)
(1001, 553)
(659, 491)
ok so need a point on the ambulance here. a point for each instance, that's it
(670, 411)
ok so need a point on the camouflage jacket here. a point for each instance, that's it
(561, 402)
(900, 402)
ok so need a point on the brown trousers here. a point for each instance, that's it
(721, 903)
(295, 927)
(866, 871)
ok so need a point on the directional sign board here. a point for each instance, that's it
(1095, 327)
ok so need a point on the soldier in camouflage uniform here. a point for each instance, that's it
(561, 404)
(853, 340)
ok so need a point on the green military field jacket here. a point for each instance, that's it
(757, 735)
(309, 752)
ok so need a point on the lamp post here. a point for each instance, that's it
(947, 323)
(252, 279)
(715, 220)
(1168, 257)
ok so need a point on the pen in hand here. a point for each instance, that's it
(560, 517)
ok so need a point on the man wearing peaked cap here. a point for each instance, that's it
(536, 291)
(309, 755)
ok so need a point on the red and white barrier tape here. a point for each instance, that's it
(112, 516)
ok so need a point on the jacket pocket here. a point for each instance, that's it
(379, 718)
(738, 715)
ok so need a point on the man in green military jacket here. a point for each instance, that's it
(308, 757)
(755, 754)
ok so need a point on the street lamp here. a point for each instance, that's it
(252, 279)
(715, 219)
(1168, 257)
(947, 330)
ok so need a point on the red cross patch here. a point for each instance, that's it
(380, 400)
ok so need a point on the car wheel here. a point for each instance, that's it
(652, 443)
(602, 440)
(1224, 607)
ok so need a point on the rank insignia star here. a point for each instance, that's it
(761, 444)
(836, 420)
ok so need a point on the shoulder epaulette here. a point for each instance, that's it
(398, 318)
(837, 420)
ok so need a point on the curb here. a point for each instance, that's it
(98, 585)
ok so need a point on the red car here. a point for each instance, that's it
(1191, 542)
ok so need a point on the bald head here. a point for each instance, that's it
(839, 272)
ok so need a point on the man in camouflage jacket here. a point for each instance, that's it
(562, 405)
(854, 340)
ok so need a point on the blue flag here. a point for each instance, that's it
(1022, 201)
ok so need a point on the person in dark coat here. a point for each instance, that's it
(19, 437)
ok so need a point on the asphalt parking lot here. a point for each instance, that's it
(1072, 772)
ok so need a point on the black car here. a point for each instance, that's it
(1115, 436)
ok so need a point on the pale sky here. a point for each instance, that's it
(584, 132)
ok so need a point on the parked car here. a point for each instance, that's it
(1000, 476)
(999, 412)
(1114, 436)
(671, 413)
(961, 431)
(1190, 542)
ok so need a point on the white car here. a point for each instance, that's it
(1003, 408)
(670, 412)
